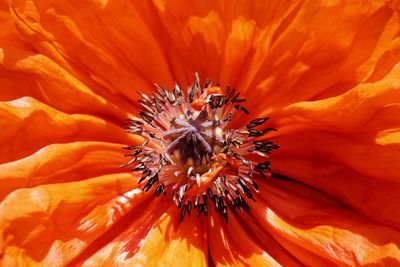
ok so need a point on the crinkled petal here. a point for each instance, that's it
(348, 112)
(373, 198)
(28, 125)
(106, 42)
(9, 36)
(230, 245)
(154, 240)
(275, 47)
(349, 148)
(58, 163)
(277, 53)
(386, 64)
(24, 73)
(333, 233)
(324, 49)
(265, 241)
(281, 50)
(52, 224)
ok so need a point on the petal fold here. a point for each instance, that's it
(331, 233)
(107, 44)
(58, 163)
(29, 125)
(156, 238)
(349, 148)
(52, 224)
(24, 73)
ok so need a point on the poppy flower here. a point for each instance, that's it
(324, 72)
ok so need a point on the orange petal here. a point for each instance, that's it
(279, 52)
(57, 163)
(152, 240)
(258, 46)
(29, 125)
(349, 148)
(377, 199)
(363, 156)
(9, 36)
(108, 43)
(220, 43)
(386, 63)
(24, 73)
(363, 102)
(332, 232)
(230, 245)
(52, 224)
(264, 240)
(306, 61)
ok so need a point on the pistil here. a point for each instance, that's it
(191, 154)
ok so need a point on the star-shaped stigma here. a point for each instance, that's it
(191, 152)
(194, 138)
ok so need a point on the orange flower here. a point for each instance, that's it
(325, 71)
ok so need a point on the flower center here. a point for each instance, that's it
(190, 154)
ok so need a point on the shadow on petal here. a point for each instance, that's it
(295, 218)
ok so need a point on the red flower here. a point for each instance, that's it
(325, 72)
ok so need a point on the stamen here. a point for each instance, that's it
(190, 154)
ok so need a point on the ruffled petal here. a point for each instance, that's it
(386, 64)
(264, 240)
(278, 53)
(58, 163)
(307, 61)
(108, 43)
(364, 102)
(322, 234)
(378, 200)
(122, 248)
(52, 224)
(29, 125)
(154, 240)
(349, 148)
(280, 50)
(24, 73)
(275, 47)
(9, 36)
(230, 245)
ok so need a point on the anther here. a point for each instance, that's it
(191, 153)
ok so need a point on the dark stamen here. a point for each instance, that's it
(190, 152)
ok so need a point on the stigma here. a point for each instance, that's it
(191, 155)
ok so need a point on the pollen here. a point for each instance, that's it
(192, 156)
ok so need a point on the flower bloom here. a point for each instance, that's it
(326, 72)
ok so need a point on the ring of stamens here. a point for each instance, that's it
(190, 155)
